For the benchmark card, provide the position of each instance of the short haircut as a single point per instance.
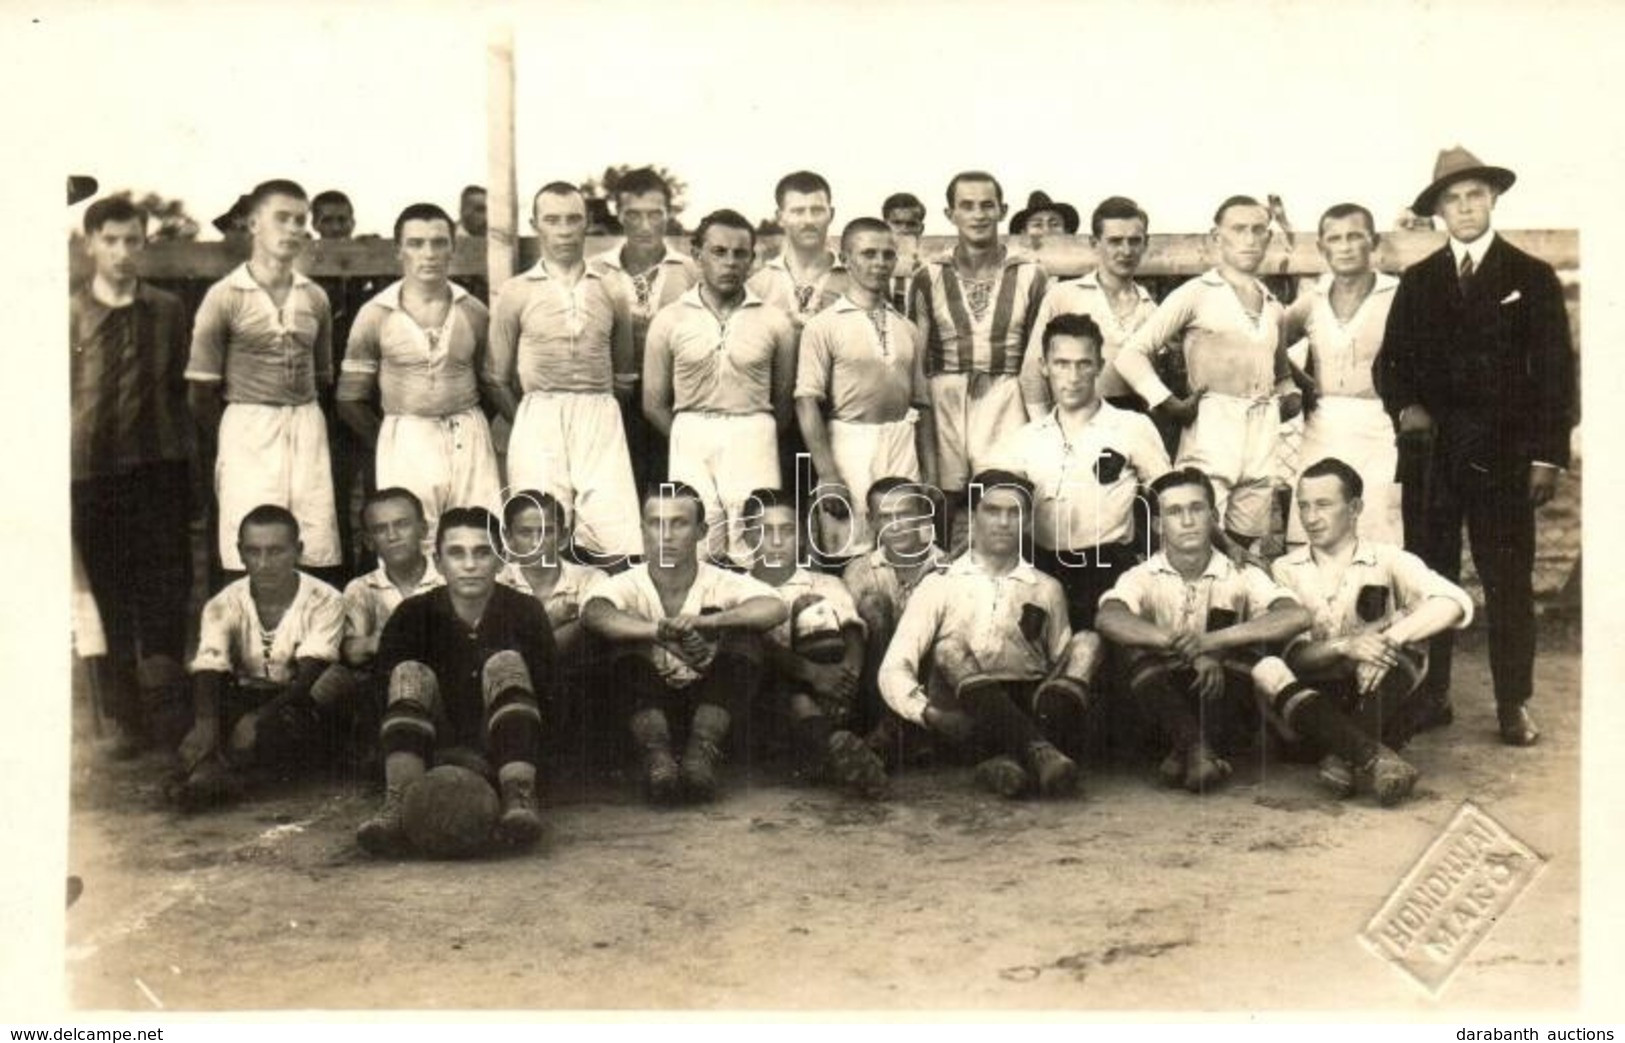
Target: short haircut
(113, 208)
(998, 478)
(275, 187)
(1069, 325)
(902, 201)
(331, 197)
(671, 489)
(423, 212)
(974, 175)
(465, 518)
(1234, 201)
(641, 182)
(1116, 208)
(760, 501)
(1342, 210)
(804, 181)
(1182, 476)
(269, 514)
(859, 225)
(557, 188)
(525, 499)
(393, 492)
(1332, 467)
(470, 190)
(722, 219)
(885, 485)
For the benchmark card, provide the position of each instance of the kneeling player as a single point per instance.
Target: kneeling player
(684, 638)
(1189, 618)
(1006, 672)
(814, 658)
(464, 663)
(263, 647)
(1374, 608)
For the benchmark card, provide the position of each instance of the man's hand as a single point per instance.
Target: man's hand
(834, 496)
(1181, 410)
(832, 680)
(200, 742)
(245, 733)
(1542, 484)
(1291, 405)
(954, 724)
(1185, 646)
(1209, 677)
(1414, 420)
(1367, 676)
(1372, 650)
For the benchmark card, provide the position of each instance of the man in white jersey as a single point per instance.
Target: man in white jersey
(718, 377)
(419, 346)
(560, 368)
(1228, 325)
(643, 276)
(861, 395)
(1349, 689)
(1343, 315)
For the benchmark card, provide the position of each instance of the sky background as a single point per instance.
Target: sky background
(1177, 105)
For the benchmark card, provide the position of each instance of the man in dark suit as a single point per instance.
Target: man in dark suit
(1477, 368)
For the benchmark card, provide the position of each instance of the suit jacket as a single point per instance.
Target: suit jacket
(1494, 368)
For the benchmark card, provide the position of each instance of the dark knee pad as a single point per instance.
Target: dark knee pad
(513, 729)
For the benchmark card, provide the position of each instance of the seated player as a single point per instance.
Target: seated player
(814, 658)
(470, 667)
(535, 532)
(395, 529)
(1374, 607)
(263, 645)
(903, 514)
(1189, 619)
(684, 652)
(1004, 665)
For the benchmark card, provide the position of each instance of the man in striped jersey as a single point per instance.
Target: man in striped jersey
(419, 345)
(1228, 325)
(559, 367)
(975, 308)
(642, 277)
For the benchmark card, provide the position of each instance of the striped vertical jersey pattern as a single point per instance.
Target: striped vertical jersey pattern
(127, 382)
(975, 326)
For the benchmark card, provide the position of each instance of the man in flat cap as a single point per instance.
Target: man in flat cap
(1477, 368)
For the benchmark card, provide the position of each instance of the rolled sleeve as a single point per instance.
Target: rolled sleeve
(1414, 582)
(1129, 590)
(206, 361)
(214, 646)
(899, 676)
(324, 629)
(1262, 591)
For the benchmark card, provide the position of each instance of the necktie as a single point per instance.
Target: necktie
(1466, 277)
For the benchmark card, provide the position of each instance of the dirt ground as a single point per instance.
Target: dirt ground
(778, 897)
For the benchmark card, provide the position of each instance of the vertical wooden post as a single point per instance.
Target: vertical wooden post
(502, 236)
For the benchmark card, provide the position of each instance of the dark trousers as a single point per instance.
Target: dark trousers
(133, 535)
(644, 442)
(1495, 504)
(1002, 712)
(1084, 576)
(1162, 687)
(729, 683)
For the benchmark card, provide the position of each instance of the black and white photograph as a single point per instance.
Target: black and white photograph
(782, 510)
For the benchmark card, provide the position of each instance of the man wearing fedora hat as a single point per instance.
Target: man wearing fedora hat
(1043, 217)
(1477, 368)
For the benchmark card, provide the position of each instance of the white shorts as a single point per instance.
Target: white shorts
(1235, 441)
(972, 412)
(277, 455)
(445, 461)
(1358, 432)
(574, 446)
(863, 454)
(725, 457)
